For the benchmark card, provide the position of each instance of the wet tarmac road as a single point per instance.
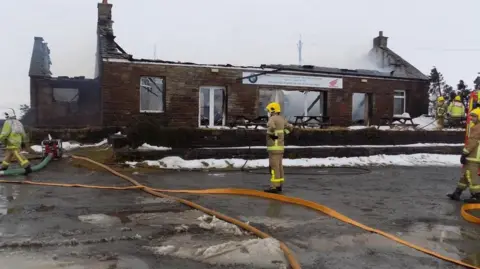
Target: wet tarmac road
(84, 228)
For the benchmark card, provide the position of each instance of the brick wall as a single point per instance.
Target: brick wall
(47, 112)
(121, 101)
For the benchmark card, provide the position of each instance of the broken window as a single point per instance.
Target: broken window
(67, 95)
(293, 103)
(152, 90)
(267, 96)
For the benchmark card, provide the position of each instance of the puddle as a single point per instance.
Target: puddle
(131, 263)
(8, 193)
(154, 200)
(275, 223)
(100, 220)
(28, 261)
(263, 253)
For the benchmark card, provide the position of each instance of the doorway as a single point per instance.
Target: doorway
(362, 108)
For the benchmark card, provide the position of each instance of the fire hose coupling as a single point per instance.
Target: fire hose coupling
(53, 147)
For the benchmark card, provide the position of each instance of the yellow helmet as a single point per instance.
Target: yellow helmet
(273, 107)
(457, 98)
(475, 112)
(440, 99)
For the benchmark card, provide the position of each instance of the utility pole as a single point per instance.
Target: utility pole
(300, 46)
(155, 51)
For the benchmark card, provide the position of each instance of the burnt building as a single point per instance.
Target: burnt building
(60, 101)
(180, 94)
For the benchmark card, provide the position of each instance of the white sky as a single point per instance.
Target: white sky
(335, 33)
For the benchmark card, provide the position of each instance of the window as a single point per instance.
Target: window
(293, 103)
(152, 91)
(399, 102)
(65, 95)
(211, 106)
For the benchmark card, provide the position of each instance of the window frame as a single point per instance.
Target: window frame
(163, 99)
(404, 97)
(211, 110)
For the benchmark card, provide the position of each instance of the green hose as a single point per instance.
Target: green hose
(21, 171)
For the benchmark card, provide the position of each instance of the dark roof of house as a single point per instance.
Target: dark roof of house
(410, 70)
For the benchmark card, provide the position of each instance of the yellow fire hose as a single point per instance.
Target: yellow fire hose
(246, 192)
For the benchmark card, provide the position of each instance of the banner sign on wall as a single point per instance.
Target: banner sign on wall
(292, 80)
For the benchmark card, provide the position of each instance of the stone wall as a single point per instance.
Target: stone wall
(196, 138)
(123, 155)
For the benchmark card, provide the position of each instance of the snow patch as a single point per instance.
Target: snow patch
(264, 253)
(212, 223)
(421, 159)
(424, 123)
(147, 147)
(419, 145)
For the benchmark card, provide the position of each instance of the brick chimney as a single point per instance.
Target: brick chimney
(380, 40)
(104, 11)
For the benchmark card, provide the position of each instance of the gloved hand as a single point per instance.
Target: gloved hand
(22, 145)
(463, 159)
(274, 137)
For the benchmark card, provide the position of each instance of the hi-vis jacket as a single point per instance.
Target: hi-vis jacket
(13, 134)
(441, 109)
(456, 109)
(471, 148)
(279, 126)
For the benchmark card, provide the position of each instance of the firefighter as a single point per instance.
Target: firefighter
(13, 136)
(440, 112)
(456, 111)
(277, 127)
(470, 159)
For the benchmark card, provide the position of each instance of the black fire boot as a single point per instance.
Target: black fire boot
(28, 170)
(475, 199)
(274, 190)
(3, 168)
(456, 194)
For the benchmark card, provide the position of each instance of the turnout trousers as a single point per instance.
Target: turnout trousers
(470, 178)
(275, 161)
(14, 153)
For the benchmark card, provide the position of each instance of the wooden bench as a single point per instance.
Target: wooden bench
(398, 121)
(312, 121)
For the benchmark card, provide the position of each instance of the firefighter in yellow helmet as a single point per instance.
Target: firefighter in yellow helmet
(471, 162)
(456, 111)
(440, 112)
(277, 127)
(13, 136)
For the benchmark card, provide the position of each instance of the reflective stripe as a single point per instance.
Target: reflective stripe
(277, 180)
(23, 161)
(465, 151)
(462, 186)
(4, 163)
(276, 148)
(279, 132)
(475, 188)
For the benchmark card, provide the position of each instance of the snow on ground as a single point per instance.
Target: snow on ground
(148, 147)
(422, 159)
(424, 123)
(67, 146)
(353, 146)
(264, 253)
